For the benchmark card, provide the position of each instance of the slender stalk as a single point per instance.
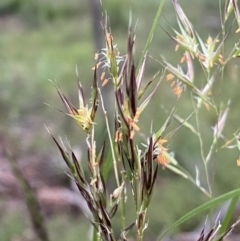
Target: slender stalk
(122, 200)
(141, 229)
(139, 180)
(202, 154)
(209, 155)
(151, 33)
(110, 140)
(31, 200)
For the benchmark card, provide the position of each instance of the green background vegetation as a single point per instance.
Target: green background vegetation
(43, 40)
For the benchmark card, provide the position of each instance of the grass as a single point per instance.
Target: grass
(64, 227)
(11, 226)
(61, 226)
(136, 166)
(30, 70)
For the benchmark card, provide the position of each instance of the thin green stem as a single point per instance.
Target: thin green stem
(189, 177)
(110, 140)
(141, 223)
(151, 33)
(122, 200)
(209, 155)
(139, 175)
(122, 203)
(205, 164)
(222, 16)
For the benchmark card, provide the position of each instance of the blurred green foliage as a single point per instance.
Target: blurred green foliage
(60, 227)
(43, 40)
(12, 225)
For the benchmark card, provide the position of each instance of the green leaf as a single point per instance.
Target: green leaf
(186, 124)
(106, 166)
(238, 144)
(208, 205)
(165, 125)
(176, 170)
(228, 215)
(237, 53)
(150, 36)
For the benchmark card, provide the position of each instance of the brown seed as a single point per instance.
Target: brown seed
(238, 30)
(104, 82)
(102, 75)
(96, 56)
(169, 76)
(183, 59)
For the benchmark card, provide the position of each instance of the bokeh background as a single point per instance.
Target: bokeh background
(46, 40)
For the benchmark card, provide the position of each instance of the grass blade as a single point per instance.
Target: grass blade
(150, 36)
(213, 202)
(228, 215)
(30, 199)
